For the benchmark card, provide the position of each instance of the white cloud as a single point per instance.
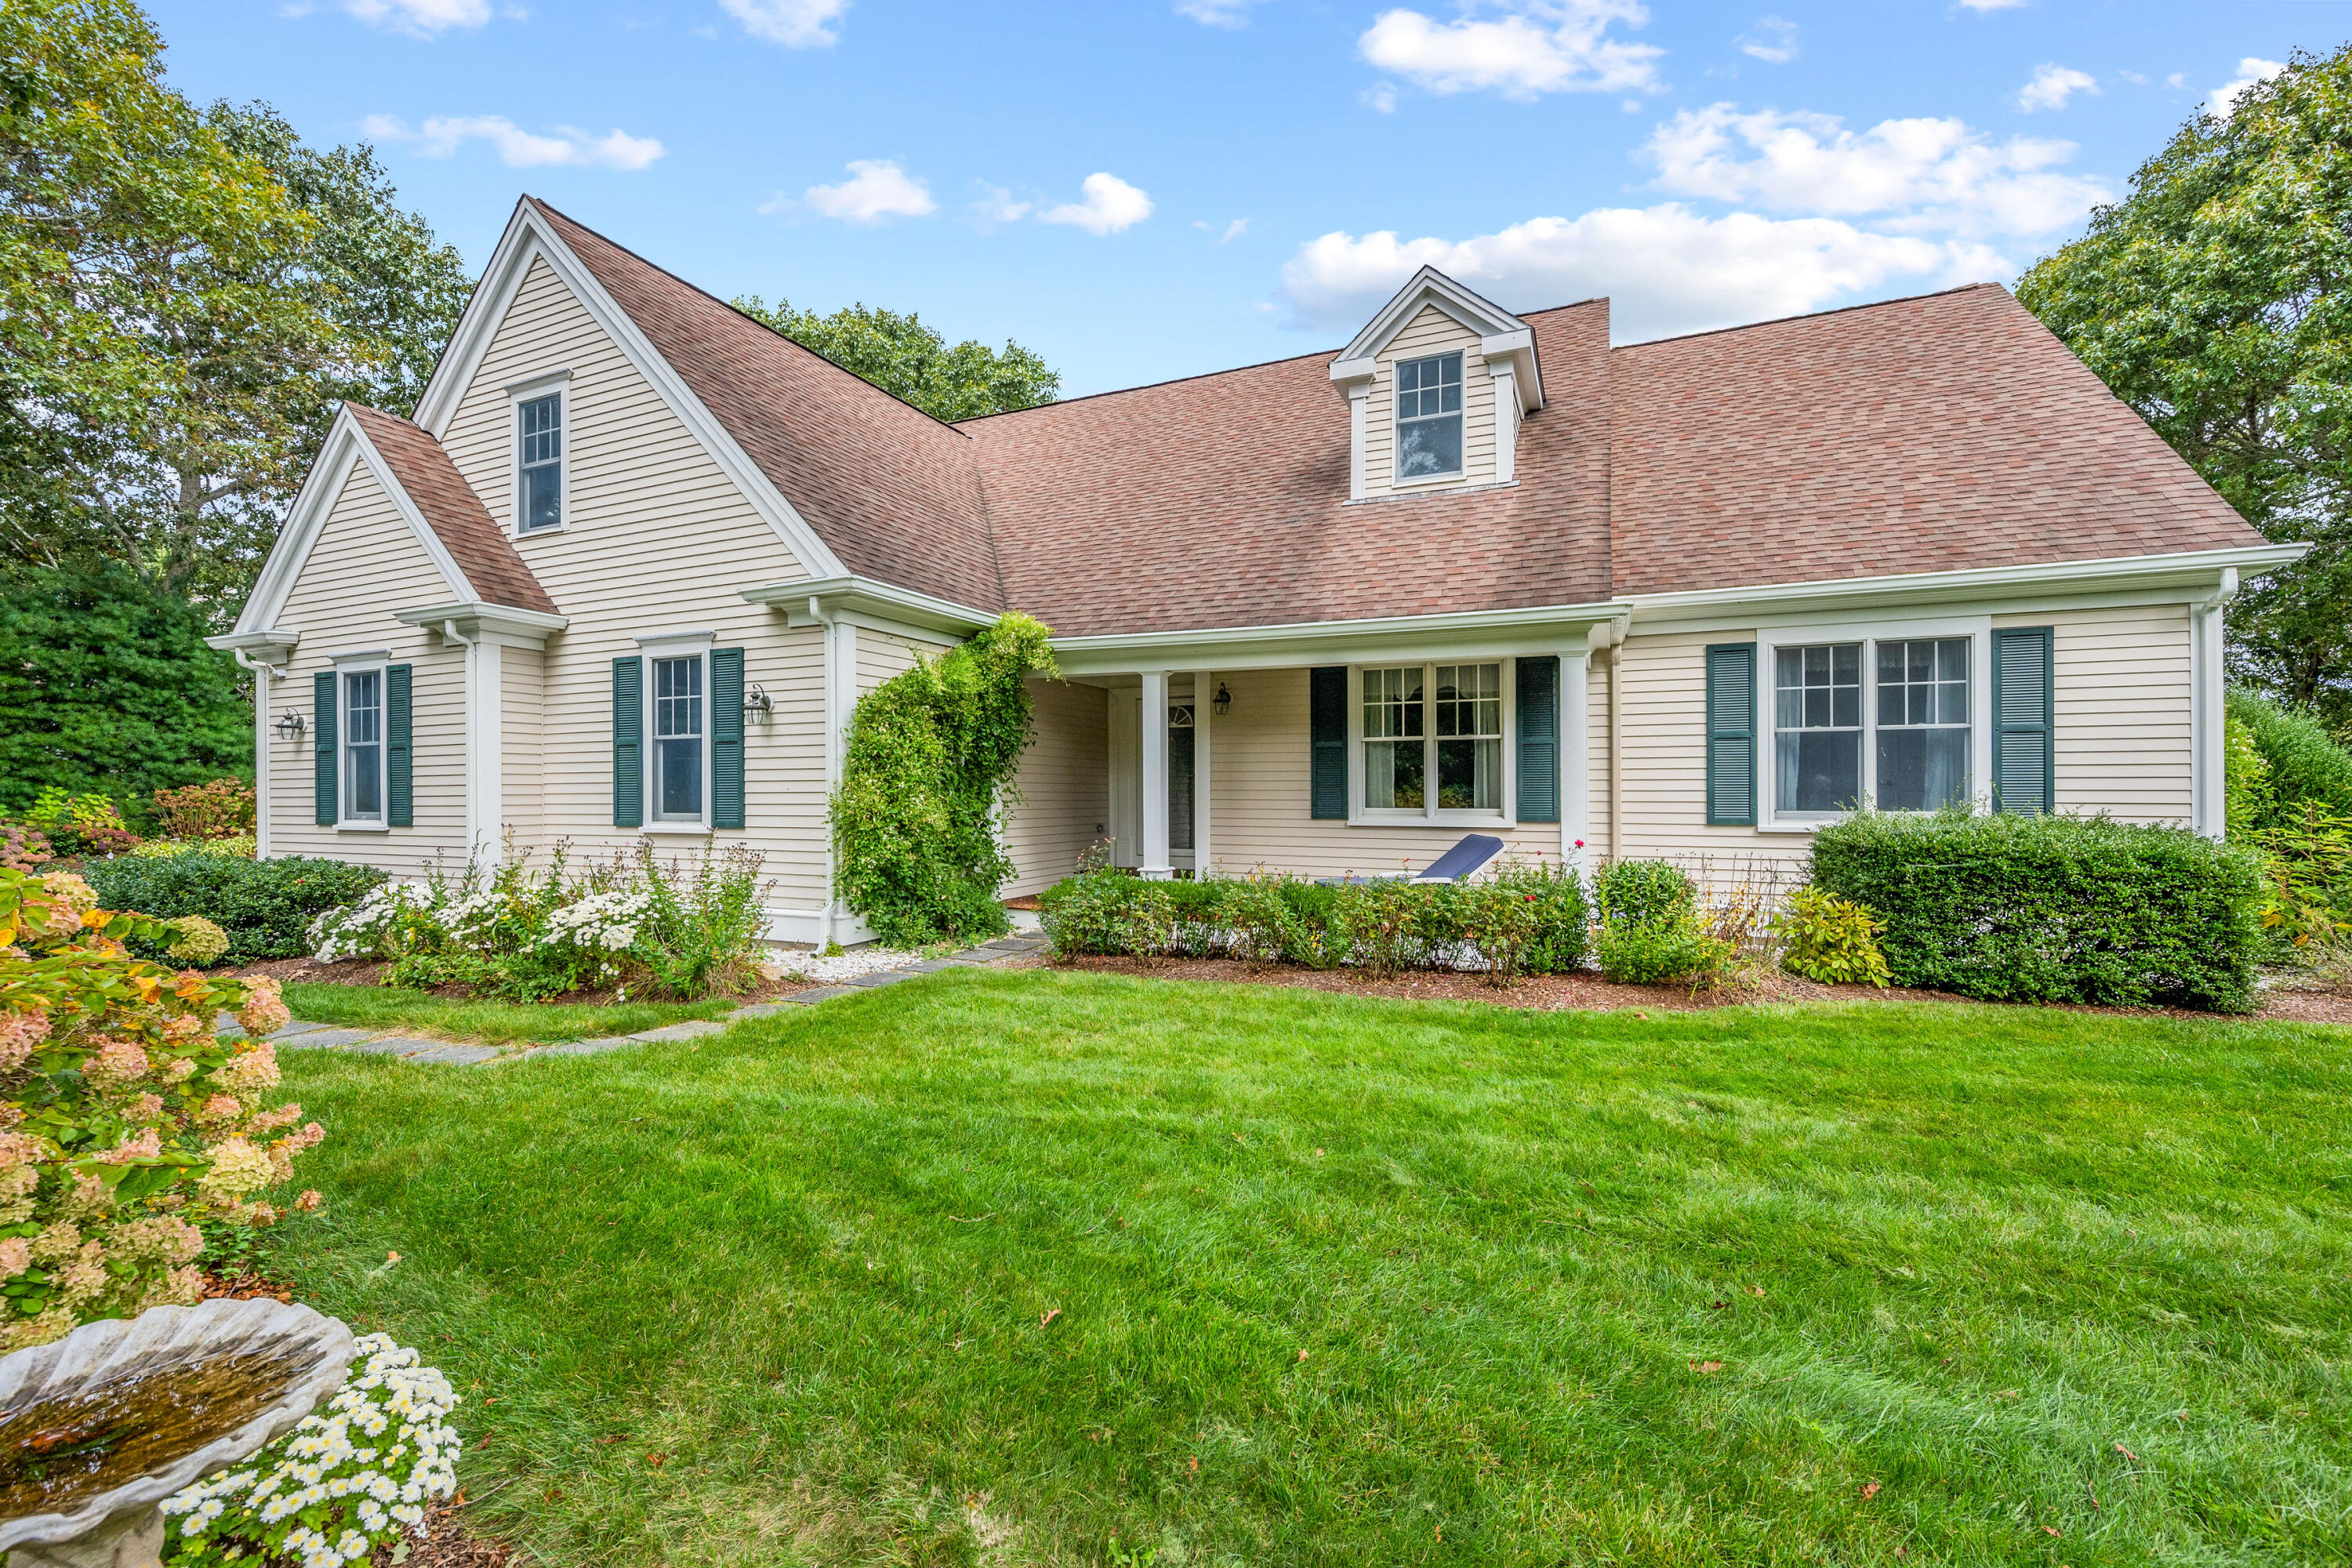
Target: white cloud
(1981, 7)
(795, 23)
(2250, 70)
(569, 147)
(421, 17)
(1233, 231)
(2053, 85)
(1914, 175)
(1109, 204)
(1773, 40)
(877, 188)
(1527, 49)
(997, 206)
(1217, 13)
(1665, 269)
(1380, 96)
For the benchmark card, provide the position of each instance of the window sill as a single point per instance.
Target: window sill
(692, 830)
(362, 827)
(1443, 819)
(1413, 489)
(541, 532)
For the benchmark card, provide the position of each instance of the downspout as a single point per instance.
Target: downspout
(263, 675)
(473, 744)
(2210, 766)
(1616, 751)
(833, 760)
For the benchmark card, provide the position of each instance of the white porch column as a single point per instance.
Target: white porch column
(1575, 753)
(1156, 864)
(485, 735)
(1204, 686)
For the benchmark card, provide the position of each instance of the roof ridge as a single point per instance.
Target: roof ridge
(746, 315)
(1804, 316)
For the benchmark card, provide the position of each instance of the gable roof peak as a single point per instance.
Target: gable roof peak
(1501, 335)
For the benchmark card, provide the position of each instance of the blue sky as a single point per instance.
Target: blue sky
(1158, 188)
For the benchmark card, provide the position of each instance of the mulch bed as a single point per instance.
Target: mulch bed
(1590, 993)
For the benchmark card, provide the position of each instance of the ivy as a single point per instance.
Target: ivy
(930, 763)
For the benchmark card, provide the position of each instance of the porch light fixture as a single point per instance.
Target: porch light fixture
(1224, 702)
(758, 703)
(289, 726)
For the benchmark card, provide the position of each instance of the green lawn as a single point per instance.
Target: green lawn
(1039, 1268)
(492, 1023)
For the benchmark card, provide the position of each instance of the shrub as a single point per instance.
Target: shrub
(240, 845)
(81, 824)
(124, 1115)
(1563, 916)
(1381, 925)
(266, 907)
(2301, 762)
(196, 940)
(1669, 946)
(929, 768)
(1829, 938)
(1266, 919)
(2058, 909)
(1642, 893)
(22, 848)
(347, 1479)
(221, 809)
(1081, 914)
(1501, 921)
(508, 933)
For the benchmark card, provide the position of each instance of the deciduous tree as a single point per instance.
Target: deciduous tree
(912, 361)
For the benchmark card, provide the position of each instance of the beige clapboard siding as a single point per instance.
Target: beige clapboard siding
(1662, 733)
(1431, 332)
(366, 564)
(1258, 796)
(2121, 684)
(882, 657)
(657, 539)
(1064, 786)
(522, 775)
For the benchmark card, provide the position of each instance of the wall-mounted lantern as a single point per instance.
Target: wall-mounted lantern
(1223, 703)
(289, 726)
(758, 704)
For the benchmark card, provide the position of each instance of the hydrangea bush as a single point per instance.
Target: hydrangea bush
(631, 923)
(347, 1478)
(125, 1118)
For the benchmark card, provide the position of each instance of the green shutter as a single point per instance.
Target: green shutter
(727, 738)
(322, 748)
(399, 797)
(1732, 734)
(1538, 687)
(2024, 767)
(628, 742)
(1326, 716)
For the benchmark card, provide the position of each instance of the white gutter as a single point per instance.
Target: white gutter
(810, 600)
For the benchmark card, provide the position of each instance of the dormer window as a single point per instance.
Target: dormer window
(1429, 417)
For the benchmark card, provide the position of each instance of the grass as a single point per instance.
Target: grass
(1040, 1268)
(492, 1023)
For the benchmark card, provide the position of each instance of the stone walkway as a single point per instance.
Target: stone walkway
(301, 1036)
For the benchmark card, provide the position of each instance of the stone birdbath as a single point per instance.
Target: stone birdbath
(98, 1428)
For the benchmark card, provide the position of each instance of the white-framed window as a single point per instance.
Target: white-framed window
(680, 786)
(1428, 743)
(541, 408)
(1429, 417)
(359, 735)
(1893, 717)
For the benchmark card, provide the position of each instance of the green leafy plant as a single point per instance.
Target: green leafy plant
(1667, 948)
(266, 907)
(2052, 908)
(1265, 924)
(2278, 759)
(1829, 938)
(1561, 911)
(221, 809)
(81, 824)
(1381, 925)
(931, 763)
(1642, 893)
(1087, 913)
(22, 848)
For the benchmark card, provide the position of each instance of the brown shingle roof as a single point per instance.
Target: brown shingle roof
(453, 512)
(1933, 434)
(891, 491)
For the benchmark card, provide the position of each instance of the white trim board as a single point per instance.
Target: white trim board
(529, 238)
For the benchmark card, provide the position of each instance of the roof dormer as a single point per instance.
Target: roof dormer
(1436, 385)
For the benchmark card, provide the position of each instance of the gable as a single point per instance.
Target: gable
(365, 562)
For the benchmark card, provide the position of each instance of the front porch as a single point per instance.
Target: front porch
(1360, 751)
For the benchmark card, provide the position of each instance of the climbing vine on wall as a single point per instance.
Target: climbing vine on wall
(930, 761)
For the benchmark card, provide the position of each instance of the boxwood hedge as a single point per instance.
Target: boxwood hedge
(2052, 908)
(265, 906)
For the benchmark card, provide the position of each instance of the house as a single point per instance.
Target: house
(635, 559)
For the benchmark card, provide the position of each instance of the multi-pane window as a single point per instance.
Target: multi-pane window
(539, 458)
(1439, 724)
(1923, 724)
(1470, 737)
(1817, 724)
(677, 739)
(1429, 416)
(1396, 763)
(362, 732)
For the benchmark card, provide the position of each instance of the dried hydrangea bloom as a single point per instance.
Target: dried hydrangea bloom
(238, 1168)
(249, 1071)
(117, 1064)
(200, 943)
(16, 1256)
(265, 1012)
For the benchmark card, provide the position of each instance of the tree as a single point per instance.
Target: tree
(105, 684)
(2216, 298)
(909, 361)
(184, 296)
